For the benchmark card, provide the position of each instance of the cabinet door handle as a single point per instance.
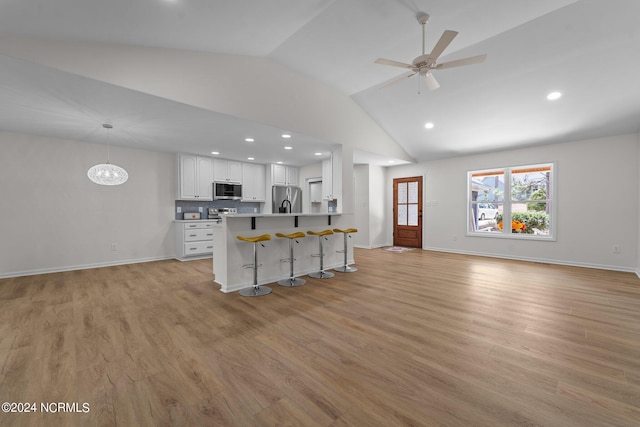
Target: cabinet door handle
(192, 235)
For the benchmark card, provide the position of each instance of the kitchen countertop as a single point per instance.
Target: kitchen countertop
(263, 215)
(196, 220)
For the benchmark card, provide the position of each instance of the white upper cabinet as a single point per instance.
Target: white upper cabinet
(227, 171)
(254, 182)
(196, 177)
(284, 175)
(327, 179)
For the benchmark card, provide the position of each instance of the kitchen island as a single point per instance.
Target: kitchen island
(230, 254)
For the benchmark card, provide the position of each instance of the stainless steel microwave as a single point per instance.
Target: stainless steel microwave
(227, 191)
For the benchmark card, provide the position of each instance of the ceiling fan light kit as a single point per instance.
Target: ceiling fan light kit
(425, 63)
(107, 173)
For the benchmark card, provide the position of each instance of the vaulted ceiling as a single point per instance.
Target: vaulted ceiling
(586, 49)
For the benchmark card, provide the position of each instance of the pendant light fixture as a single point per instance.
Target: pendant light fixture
(107, 173)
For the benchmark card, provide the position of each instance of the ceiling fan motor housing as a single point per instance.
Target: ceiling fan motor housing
(422, 61)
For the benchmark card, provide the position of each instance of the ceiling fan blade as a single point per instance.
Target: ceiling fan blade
(432, 83)
(397, 80)
(445, 39)
(460, 62)
(393, 63)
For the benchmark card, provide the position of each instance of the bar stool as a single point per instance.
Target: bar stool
(256, 290)
(321, 274)
(347, 233)
(291, 281)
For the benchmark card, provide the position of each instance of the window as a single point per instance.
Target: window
(520, 197)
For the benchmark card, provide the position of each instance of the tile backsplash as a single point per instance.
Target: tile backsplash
(193, 206)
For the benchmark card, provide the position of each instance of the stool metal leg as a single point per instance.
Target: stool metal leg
(255, 291)
(291, 281)
(345, 268)
(321, 274)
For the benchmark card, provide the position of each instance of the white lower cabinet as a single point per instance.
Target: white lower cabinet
(194, 238)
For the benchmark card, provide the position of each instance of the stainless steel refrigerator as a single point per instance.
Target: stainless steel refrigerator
(286, 199)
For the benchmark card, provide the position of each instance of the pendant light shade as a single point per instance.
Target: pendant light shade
(107, 173)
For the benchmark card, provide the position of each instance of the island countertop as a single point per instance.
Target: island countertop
(264, 215)
(231, 254)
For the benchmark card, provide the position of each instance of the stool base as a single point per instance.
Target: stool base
(321, 275)
(257, 291)
(294, 281)
(346, 269)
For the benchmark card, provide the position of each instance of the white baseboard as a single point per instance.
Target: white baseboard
(81, 267)
(538, 260)
(372, 246)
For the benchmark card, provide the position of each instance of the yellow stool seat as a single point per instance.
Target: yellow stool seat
(255, 239)
(348, 230)
(297, 235)
(320, 233)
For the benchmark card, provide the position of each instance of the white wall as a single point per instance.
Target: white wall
(361, 205)
(378, 207)
(597, 195)
(370, 206)
(54, 218)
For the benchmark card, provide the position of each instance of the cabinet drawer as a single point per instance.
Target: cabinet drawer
(192, 225)
(198, 234)
(198, 248)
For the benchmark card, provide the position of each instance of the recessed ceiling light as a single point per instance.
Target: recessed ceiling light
(250, 158)
(429, 125)
(286, 135)
(392, 161)
(317, 154)
(553, 96)
(249, 139)
(215, 152)
(288, 148)
(279, 163)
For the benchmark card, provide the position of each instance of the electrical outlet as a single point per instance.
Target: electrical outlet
(114, 246)
(179, 209)
(616, 249)
(200, 209)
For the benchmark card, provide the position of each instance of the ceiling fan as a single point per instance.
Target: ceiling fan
(426, 63)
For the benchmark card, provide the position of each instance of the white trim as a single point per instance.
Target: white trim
(82, 267)
(372, 246)
(539, 260)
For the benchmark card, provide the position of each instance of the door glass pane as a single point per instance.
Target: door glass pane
(402, 192)
(402, 214)
(413, 215)
(413, 192)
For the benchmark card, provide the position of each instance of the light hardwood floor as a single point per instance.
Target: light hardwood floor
(411, 339)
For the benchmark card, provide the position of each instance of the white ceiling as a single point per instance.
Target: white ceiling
(587, 49)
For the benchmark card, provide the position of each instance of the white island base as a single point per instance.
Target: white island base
(230, 254)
